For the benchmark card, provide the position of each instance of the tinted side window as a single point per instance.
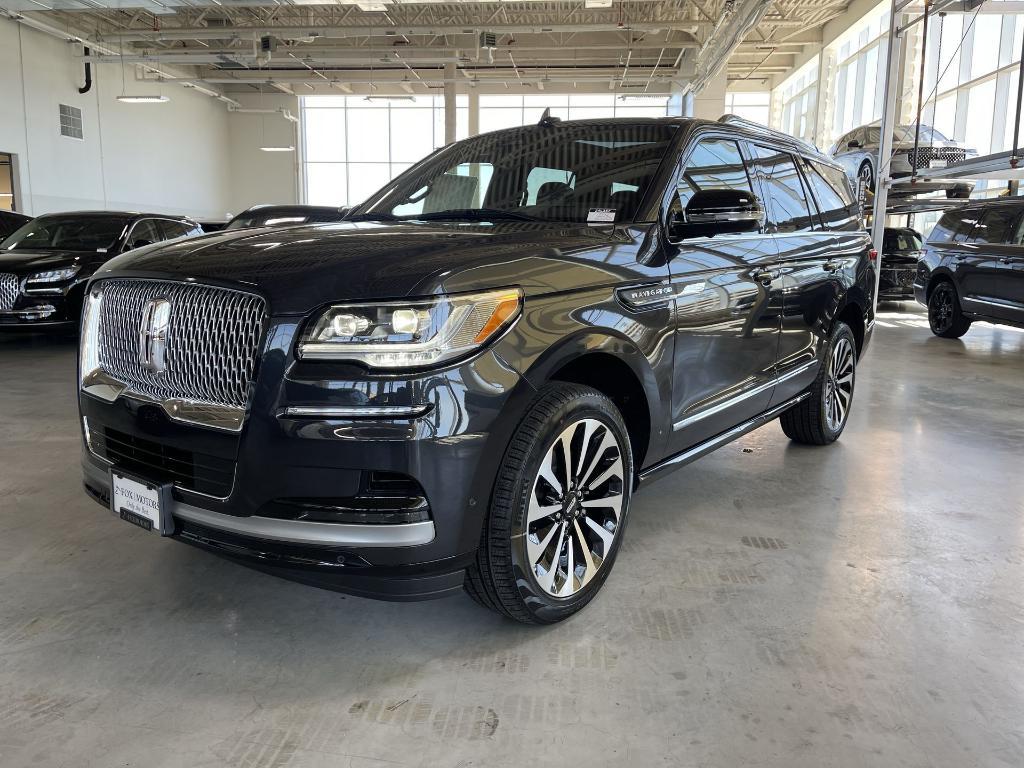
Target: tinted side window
(831, 188)
(145, 231)
(788, 210)
(953, 226)
(998, 226)
(173, 229)
(713, 164)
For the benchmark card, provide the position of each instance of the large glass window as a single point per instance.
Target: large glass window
(751, 105)
(499, 111)
(353, 146)
(798, 101)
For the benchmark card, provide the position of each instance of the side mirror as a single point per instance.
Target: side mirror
(718, 212)
(853, 144)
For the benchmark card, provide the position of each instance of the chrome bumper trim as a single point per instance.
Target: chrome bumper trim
(101, 385)
(355, 411)
(292, 531)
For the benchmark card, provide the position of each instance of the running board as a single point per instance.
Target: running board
(702, 449)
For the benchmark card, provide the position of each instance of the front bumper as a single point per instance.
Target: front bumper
(234, 492)
(42, 311)
(897, 283)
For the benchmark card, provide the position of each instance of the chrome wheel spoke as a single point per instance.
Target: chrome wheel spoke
(539, 511)
(600, 530)
(615, 470)
(588, 559)
(607, 443)
(534, 551)
(839, 384)
(609, 501)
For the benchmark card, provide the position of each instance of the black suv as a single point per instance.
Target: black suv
(463, 384)
(972, 268)
(46, 263)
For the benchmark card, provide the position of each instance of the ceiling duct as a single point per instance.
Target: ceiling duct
(738, 18)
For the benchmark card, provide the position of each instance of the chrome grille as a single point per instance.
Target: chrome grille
(924, 155)
(8, 291)
(212, 340)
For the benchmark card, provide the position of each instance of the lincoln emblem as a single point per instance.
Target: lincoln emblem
(156, 318)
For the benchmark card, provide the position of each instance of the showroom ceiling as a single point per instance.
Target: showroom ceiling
(639, 46)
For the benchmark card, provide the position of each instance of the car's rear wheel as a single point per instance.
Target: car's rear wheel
(821, 418)
(945, 317)
(866, 177)
(558, 509)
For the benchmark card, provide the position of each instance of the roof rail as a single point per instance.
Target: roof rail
(750, 125)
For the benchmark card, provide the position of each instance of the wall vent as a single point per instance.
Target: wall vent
(71, 122)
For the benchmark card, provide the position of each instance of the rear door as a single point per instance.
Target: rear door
(807, 267)
(728, 303)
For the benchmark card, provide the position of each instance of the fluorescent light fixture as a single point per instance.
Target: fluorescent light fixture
(597, 4)
(389, 98)
(372, 7)
(143, 99)
(278, 149)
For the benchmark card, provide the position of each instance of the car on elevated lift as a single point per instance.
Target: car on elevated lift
(857, 151)
(461, 385)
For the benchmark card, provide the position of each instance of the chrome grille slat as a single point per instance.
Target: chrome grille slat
(211, 341)
(8, 291)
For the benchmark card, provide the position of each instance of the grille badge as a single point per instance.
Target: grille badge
(156, 319)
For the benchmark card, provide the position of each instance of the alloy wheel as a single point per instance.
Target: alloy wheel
(839, 384)
(940, 310)
(575, 509)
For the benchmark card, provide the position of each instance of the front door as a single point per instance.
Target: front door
(728, 303)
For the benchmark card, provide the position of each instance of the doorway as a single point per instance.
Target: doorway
(7, 198)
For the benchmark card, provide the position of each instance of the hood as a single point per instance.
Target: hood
(21, 262)
(299, 268)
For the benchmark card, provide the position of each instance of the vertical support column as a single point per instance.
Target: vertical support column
(449, 103)
(474, 112)
(883, 178)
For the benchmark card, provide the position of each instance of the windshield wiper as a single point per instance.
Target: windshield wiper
(379, 216)
(474, 214)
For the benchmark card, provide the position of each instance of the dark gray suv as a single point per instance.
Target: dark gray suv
(972, 268)
(462, 385)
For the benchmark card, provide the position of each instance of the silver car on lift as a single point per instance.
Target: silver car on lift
(857, 151)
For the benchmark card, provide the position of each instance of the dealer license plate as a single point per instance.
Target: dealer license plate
(938, 163)
(136, 501)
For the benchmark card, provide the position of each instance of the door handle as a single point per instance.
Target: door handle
(1006, 260)
(765, 277)
(832, 266)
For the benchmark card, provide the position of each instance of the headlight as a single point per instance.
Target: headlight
(52, 276)
(411, 334)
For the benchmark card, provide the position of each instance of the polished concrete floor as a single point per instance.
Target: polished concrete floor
(857, 605)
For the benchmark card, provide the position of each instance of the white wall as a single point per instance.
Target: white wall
(165, 158)
(263, 177)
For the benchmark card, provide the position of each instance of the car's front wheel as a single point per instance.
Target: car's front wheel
(821, 417)
(558, 509)
(945, 317)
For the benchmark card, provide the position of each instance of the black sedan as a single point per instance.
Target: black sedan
(10, 221)
(45, 264)
(901, 248)
(285, 216)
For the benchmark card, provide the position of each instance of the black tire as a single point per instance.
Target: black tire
(945, 317)
(502, 578)
(866, 176)
(812, 421)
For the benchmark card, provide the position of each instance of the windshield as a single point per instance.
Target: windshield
(574, 173)
(901, 240)
(905, 134)
(67, 233)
